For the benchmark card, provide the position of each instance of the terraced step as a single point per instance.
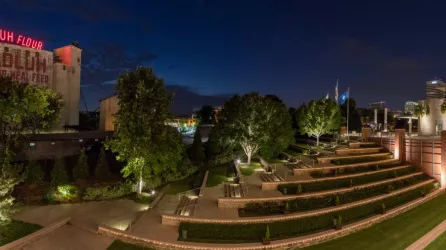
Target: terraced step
(270, 177)
(240, 203)
(234, 191)
(353, 157)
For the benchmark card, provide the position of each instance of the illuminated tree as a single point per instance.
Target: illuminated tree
(421, 110)
(151, 149)
(318, 117)
(23, 107)
(80, 171)
(253, 122)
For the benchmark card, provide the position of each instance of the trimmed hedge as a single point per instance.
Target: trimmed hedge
(209, 232)
(108, 192)
(353, 170)
(345, 182)
(368, 158)
(306, 204)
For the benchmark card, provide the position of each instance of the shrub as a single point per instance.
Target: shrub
(312, 203)
(267, 234)
(102, 169)
(352, 170)
(108, 192)
(59, 173)
(34, 173)
(383, 208)
(80, 171)
(299, 188)
(287, 206)
(337, 201)
(63, 193)
(339, 221)
(359, 159)
(213, 232)
(143, 198)
(344, 182)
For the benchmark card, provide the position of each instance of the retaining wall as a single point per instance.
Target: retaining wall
(241, 202)
(280, 244)
(307, 171)
(356, 151)
(20, 243)
(329, 159)
(175, 220)
(275, 185)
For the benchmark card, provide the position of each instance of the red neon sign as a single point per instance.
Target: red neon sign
(10, 37)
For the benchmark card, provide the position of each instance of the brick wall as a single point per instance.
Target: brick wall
(329, 159)
(353, 151)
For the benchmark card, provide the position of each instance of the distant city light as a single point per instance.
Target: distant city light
(434, 82)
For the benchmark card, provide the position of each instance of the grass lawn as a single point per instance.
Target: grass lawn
(292, 152)
(216, 176)
(16, 230)
(119, 245)
(438, 243)
(249, 170)
(180, 186)
(396, 233)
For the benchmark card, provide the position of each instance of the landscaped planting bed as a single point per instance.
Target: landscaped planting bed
(352, 160)
(353, 170)
(14, 230)
(368, 146)
(344, 182)
(312, 203)
(213, 232)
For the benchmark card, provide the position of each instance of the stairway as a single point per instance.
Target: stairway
(186, 206)
(234, 190)
(270, 177)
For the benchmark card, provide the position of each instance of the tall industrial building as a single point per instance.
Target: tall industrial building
(409, 107)
(24, 59)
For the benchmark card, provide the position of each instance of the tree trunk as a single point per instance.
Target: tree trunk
(317, 141)
(139, 191)
(249, 159)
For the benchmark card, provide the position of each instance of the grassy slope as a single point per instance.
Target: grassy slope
(216, 176)
(249, 170)
(396, 233)
(16, 230)
(438, 243)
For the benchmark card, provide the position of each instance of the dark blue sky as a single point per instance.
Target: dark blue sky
(293, 49)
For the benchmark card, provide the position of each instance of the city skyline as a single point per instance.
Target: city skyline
(295, 50)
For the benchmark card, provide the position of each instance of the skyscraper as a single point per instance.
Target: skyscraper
(409, 107)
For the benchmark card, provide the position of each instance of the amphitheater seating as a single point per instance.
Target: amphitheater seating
(234, 190)
(186, 206)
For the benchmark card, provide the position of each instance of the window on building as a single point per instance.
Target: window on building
(78, 60)
(6, 49)
(64, 67)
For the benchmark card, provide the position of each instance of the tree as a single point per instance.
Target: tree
(205, 114)
(151, 149)
(251, 122)
(10, 175)
(102, 168)
(23, 107)
(34, 173)
(318, 117)
(80, 171)
(197, 153)
(59, 173)
(354, 122)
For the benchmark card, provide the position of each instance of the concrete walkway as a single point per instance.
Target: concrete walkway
(428, 238)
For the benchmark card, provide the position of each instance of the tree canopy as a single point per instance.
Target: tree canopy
(151, 149)
(23, 108)
(205, 114)
(354, 122)
(254, 122)
(318, 117)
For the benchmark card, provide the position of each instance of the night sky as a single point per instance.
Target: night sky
(208, 50)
